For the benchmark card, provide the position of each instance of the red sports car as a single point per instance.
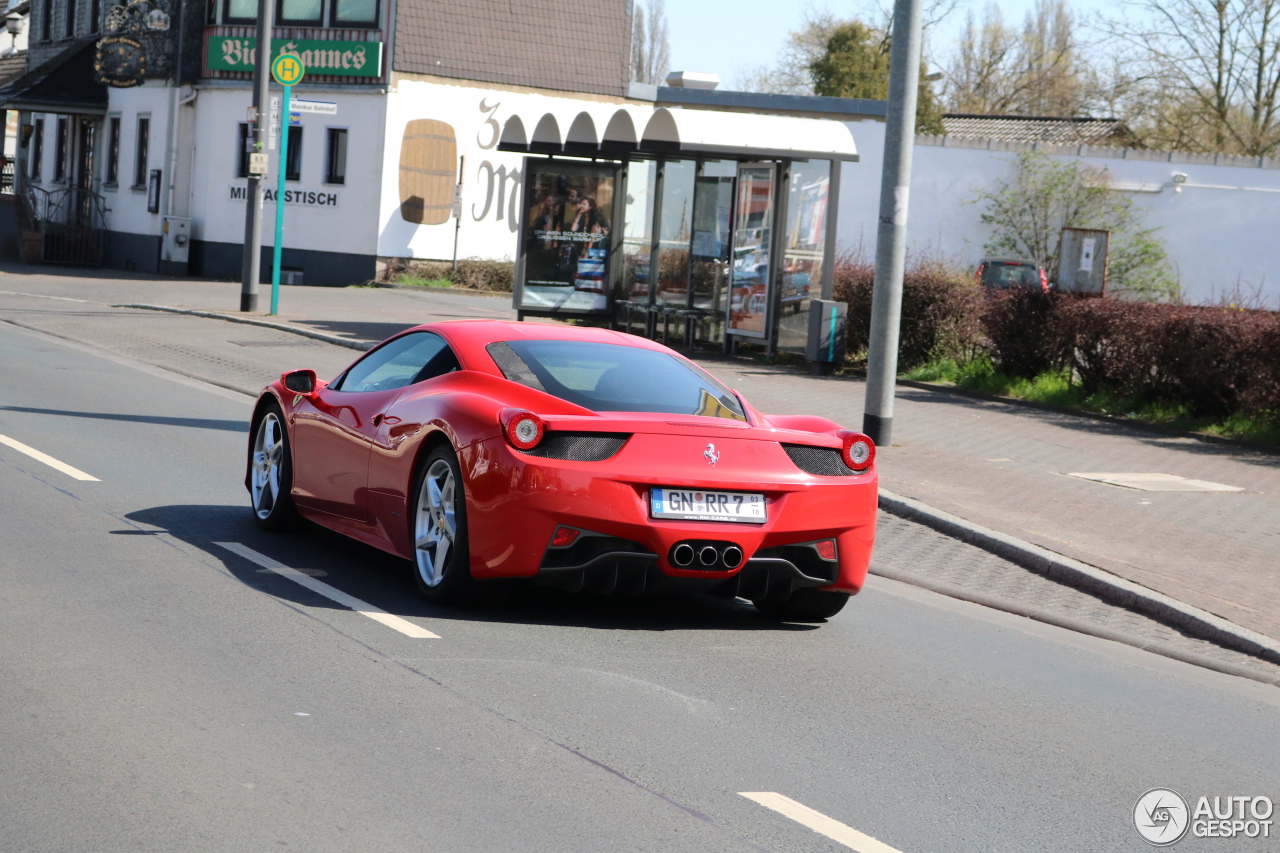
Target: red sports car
(581, 458)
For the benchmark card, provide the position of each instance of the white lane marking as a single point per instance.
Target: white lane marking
(818, 822)
(47, 459)
(404, 626)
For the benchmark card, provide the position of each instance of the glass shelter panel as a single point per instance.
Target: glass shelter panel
(637, 236)
(712, 209)
(752, 239)
(804, 244)
(674, 231)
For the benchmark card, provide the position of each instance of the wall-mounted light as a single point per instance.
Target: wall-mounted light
(1179, 178)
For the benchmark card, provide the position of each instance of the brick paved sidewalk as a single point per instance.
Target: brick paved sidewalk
(995, 464)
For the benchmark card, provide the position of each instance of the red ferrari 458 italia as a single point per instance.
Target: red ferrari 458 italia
(580, 458)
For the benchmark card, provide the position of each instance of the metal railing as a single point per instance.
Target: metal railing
(71, 222)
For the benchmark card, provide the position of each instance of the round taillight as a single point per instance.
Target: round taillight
(524, 431)
(859, 451)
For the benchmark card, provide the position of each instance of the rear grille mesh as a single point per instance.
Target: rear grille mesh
(579, 446)
(821, 461)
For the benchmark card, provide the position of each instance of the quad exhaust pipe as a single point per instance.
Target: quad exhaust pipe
(709, 555)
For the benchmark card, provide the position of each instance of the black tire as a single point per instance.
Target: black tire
(270, 472)
(804, 605)
(429, 529)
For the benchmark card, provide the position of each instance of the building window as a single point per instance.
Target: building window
(113, 151)
(69, 22)
(335, 170)
(240, 11)
(244, 140)
(140, 161)
(354, 13)
(46, 20)
(37, 150)
(298, 12)
(62, 151)
(293, 159)
(94, 23)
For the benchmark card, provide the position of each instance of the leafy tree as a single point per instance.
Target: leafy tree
(790, 74)
(1028, 212)
(856, 65)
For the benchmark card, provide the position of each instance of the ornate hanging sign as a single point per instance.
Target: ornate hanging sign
(121, 62)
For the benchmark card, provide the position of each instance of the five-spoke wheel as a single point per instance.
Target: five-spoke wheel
(271, 474)
(440, 528)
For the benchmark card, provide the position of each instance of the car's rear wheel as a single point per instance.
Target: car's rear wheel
(271, 473)
(804, 605)
(441, 558)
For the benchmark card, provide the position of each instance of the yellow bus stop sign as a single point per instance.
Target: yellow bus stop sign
(287, 69)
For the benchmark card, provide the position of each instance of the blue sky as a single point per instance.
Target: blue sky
(725, 36)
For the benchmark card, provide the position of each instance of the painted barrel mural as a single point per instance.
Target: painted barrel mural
(428, 171)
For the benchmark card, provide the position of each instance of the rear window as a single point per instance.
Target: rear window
(614, 378)
(1002, 274)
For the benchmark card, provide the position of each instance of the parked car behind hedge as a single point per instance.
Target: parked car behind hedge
(1004, 273)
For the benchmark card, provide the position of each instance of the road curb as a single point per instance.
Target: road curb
(249, 321)
(1107, 586)
(1080, 626)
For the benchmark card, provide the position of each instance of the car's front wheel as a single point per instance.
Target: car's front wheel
(271, 473)
(804, 605)
(441, 557)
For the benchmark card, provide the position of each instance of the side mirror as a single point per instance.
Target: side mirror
(300, 382)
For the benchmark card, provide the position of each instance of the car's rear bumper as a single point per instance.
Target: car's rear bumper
(515, 502)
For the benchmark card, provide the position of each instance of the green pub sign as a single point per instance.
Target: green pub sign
(337, 58)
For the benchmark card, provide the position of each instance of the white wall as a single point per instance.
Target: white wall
(127, 204)
(492, 184)
(350, 226)
(1216, 235)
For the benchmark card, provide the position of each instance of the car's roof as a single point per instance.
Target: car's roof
(469, 337)
(1023, 261)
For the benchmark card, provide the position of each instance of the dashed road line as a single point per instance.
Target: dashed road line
(47, 459)
(818, 822)
(404, 626)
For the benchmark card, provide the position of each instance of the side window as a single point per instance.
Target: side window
(404, 361)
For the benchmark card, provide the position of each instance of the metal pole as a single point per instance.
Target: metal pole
(282, 168)
(457, 212)
(891, 238)
(250, 267)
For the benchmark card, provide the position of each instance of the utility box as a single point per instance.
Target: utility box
(175, 243)
(827, 334)
(1082, 261)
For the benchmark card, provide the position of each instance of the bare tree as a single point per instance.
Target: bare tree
(1212, 73)
(650, 46)
(1038, 70)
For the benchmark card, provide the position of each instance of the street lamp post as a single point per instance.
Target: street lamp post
(891, 237)
(250, 266)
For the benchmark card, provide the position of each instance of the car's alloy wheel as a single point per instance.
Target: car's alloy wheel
(270, 474)
(439, 528)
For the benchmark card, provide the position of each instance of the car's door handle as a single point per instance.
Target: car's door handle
(380, 419)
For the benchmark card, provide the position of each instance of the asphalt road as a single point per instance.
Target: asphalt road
(159, 692)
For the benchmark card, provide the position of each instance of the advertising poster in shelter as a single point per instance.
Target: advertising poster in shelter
(566, 236)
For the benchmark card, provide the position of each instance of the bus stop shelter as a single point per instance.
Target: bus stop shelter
(696, 226)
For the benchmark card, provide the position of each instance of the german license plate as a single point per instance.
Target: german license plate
(695, 505)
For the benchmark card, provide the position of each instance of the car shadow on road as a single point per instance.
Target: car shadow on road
(387, 582)
(366, 332)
